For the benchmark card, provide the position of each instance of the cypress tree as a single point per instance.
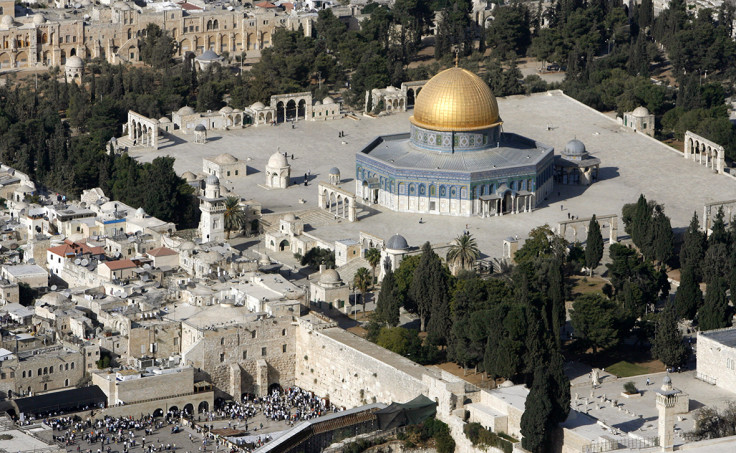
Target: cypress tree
(440, 320)
(420, 290)
(538, 410)
(693, 249)
(715, 313)
(663, 244)
(387, 305)
(667, 345)
(688, 297)
(718, 234)
(593, 245)
(640, 230)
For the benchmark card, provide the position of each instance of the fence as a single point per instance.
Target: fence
(619, 444)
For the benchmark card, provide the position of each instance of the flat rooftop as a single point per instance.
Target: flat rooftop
(726, 337)
(513, 151)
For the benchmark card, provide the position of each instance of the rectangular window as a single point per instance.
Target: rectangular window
(222, 358)
(263, 351)
(245, 355)
(283, 348)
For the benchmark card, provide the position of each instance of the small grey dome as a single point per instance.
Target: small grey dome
(574, 148)
(208, 55)
(334, 171)
(226, 110)
(667, 380)
(164, 120)
(328, 100)
(200, 128)
(257, 106)
(189, 176)
(290, 217)
(38, 19)
(397, 242)
(330, 276)
(212, 180)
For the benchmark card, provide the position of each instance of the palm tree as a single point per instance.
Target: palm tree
(362, 281)
(373, 256)
(463, 253)
(234, 215)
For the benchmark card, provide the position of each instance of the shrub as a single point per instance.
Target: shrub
(630, 388)
(482, 437)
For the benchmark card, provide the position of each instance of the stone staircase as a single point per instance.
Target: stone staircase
(347, 272)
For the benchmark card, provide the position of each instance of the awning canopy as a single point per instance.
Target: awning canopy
(411, 413)
(64, 401)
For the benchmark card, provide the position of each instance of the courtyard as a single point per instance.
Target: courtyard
(631, 164)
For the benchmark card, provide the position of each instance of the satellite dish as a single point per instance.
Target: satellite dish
(77, 261)
(85, 262)
(53, 287)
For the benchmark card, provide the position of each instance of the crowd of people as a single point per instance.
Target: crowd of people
(291, 406)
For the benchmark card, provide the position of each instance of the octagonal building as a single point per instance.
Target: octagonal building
(456, 158)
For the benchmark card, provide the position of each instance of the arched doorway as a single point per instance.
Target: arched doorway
(189, 409)
(174, 410)
(302, 110)
(280, 112)
(410, 97)
(291, 110)
(275, 387)
(158, 413)
(203, 407)
(507, 203)
(283, 245)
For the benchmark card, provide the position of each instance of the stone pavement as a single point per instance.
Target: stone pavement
(630, 164)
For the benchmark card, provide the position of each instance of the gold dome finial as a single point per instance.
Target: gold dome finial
(457, 57)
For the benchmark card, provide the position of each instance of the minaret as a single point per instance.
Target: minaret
(667, 397)
(212, 205)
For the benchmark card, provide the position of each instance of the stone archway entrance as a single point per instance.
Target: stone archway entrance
(283, 245)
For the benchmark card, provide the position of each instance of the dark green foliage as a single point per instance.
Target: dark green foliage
(157, 48)
(316, 256)
(593, 245)
(105, 360)
(538, 412)
(667, 345)
(688, 297)
(663, 243)
(437, 430)
(630, 388)
(718, 234)
(388, 304)
(429, 290)
(693, 249)
(716, 262)
(510, 29)
(482, 437)
(715, 312)
(634, 280)
(404, 276)
(594, 319)
(712, 423)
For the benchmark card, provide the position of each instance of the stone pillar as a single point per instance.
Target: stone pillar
(720, 161)
(154, 136)
(261, 378)
(351, 213)
(613, 230)
(235, 381)
(666, 422)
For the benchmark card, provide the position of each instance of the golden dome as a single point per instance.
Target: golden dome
(455, 100)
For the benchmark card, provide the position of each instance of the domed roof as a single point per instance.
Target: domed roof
(334, 171)
(164, 120)
(212, 180)
(189, 176)
(328, 100)
(257, 105)
(277, 160)
(140, 213)
(208, 55)
(226, 110)
(667, 380)
(330, 276)
(318, 103)
(74, 62)
(397, 242)
(290, 217)
(640, 111)
(186, 110)
(188, 245)
(7, 21)
(392, 88)
(200, 128)
(455, 100)
(38, 19)
(225, 158)
(574, 148)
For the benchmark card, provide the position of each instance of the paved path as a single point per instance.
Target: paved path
(630, 164)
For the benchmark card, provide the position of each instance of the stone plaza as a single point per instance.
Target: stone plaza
(631, 163)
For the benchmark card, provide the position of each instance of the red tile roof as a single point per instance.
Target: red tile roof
(162, 251)
(71, 248)
(189, 7)
(265, 5)
(119, 264)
